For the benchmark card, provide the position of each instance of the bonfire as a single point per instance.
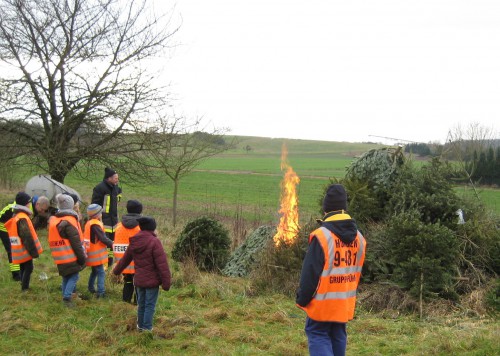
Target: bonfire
(288, 226)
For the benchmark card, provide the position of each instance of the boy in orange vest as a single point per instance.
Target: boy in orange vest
(97, 254)
(65, 241)
(23, 239)
(127, 228)
(330, 275)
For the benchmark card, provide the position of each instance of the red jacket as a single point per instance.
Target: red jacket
(151, 265)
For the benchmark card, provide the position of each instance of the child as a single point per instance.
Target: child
(97, 254)
(127, 228)
(65, 243)
(23, 239)
(151, 270)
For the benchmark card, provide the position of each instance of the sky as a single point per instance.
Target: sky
(332, 70)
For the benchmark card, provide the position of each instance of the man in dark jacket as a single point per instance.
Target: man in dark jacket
(107, 194)
(330, 275)
(151, 270)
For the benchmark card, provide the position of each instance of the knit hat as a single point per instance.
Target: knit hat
(108, 172)
(134, 207)
(93, 210)
(335, 198)
(73, 196)
(64, 202)
(147, 223)
(22, 198)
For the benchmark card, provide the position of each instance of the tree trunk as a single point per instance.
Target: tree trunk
(421, 293)
(174, 206)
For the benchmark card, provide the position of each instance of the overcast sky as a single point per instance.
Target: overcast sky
(338, 70)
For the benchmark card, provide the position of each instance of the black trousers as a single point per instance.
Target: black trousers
(128, 288)
(26, 270)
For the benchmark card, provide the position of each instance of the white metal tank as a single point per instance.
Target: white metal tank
(44, 185)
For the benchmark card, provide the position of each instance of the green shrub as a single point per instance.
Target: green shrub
(424, 256)
(205, 241)
(427, 191)
(378, 170)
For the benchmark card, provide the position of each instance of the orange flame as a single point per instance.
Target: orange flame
(288, 227)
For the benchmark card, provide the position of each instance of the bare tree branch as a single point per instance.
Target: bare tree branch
(77, 79)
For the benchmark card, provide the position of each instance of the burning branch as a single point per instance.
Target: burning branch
(289, 222)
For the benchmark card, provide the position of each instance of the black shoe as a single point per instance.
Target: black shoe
(68, 303)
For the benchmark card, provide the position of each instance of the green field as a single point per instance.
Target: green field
(214, 315)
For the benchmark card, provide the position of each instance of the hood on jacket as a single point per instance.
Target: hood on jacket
(66, 212)
(140, 241)
(130, 220)
(345, 229)
(17, 208)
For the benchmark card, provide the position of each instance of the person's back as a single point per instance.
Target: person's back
(151, 270)
(330, 275)
(151, 266)
(127, 228)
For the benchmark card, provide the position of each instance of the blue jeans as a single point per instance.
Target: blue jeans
(69, 285)
(99, 273)
(146, 304)
(326, 338)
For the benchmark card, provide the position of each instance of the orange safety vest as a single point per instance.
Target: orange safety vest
(19, 252)
(60, 247)
(335, 296)
(120, 245)
(97, 253)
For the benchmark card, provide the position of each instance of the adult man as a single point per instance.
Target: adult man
(330, 275)
(40, 207)
(107, 194)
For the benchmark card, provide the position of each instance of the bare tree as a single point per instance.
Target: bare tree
(463, 141)
(177, 146)
(76, 79)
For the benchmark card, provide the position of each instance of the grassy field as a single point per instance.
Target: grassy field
(211, 314)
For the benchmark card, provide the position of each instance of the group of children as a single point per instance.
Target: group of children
(139, 253)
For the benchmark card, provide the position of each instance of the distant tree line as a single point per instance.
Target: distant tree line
(481, 162)
(420, 149)
(485, 166)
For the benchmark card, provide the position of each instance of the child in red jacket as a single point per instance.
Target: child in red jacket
(151, 270)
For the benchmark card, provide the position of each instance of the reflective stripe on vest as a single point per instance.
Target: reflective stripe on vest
(4, 210)
(110, 229)
(335, 297)
(19, 252)
(120, 245)
(97, 254)
(61, 249)
(106, 203)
